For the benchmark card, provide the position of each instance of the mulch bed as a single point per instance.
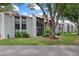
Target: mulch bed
(77, 42)
(54, 38)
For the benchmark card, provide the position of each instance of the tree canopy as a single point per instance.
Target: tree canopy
(5, 7)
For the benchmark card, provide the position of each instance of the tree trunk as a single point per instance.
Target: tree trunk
(53, 31)
(52, 27)
(49, 5)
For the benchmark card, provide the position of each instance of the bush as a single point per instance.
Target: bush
(58, 34)
(25, 35)
(46, 33)
(22, 34)
(18, 34)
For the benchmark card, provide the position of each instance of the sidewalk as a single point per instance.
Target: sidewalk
(39, 50)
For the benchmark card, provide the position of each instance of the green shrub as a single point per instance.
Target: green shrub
(25, 35)
(46, 33)
(22, 34)
(58, 34)
(68, 33)
(18, 34)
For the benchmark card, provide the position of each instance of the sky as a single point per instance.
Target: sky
(24, 10)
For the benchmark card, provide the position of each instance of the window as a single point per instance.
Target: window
(23, 26)
(40, 26)
(40, 21)
(17, 22)
(17, 17)
(23, 21)
(17, 26)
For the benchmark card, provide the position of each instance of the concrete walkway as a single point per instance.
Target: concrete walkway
(39, 50)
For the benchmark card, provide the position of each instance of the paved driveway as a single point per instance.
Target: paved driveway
(39, 50)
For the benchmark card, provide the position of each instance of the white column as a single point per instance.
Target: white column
(2, 30)
(34, 26)
(20, 24)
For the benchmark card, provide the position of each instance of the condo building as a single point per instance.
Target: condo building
(34, 26)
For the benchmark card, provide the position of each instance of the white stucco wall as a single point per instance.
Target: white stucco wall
(9, 26)
(31, 26)
(57, 29)
(1, 26)
(65, 27)
(34, 26)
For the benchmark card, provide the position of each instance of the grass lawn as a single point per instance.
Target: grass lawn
(66, 40)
